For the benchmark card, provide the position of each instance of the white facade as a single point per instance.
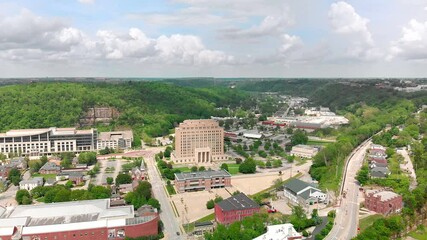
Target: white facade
(115, 140)
(31, 184)
(280, 232)
(35, 142)
(304, 151)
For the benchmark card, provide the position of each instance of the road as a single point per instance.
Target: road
(7, 198)
(170, 222)
(347, 214)
(408, 166)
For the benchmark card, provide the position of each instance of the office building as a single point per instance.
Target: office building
(36, 142)
(199, 141)
(115, 140)
(205, 180)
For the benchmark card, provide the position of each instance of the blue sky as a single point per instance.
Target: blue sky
(219, 38)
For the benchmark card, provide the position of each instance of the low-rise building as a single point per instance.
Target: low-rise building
(18, 162)
(90, 219)
(200, 228)
(4, 172)
(235, 208)
(302, 193)
(305, 151)
(75, 176)
(137, 174)
(30, 184)
(280, 232)
(378, 159)
(379, 172)
(115, 140)
(377, 164)
(50, 168)
(204, 180)
(384, 202)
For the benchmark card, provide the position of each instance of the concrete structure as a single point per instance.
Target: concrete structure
(384, 202)
(305, 151)
(235, 208)
(193, 181)
(115, 140)
(36, 142)
(199, 141)
(30, 184)
(201, 228)
(280, 232)
(302, 193)
(50, 168)
(91, 219)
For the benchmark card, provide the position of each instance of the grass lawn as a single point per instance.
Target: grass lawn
(233, 168)
(190, 227)
(300, 161)
(314, 142)
(184, 169)
(367, 221)
(45, 176)
(419, 234)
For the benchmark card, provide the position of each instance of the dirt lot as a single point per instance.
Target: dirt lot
(196, 203)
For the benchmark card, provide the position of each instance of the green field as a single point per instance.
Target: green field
(420, 233)
(314, 142)
(233, 168)
(367, 221)
(183, 169)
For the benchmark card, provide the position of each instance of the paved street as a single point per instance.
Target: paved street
(409, 167)
(346, 221)
(7, 198)
(170, 222)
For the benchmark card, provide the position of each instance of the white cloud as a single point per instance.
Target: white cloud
(413, 42)
(353, 28)
(345, 20)
(87, 1)
(290, 43)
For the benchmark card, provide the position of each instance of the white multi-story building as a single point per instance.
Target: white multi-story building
(35, 142)
(30, 184)
(115, 140)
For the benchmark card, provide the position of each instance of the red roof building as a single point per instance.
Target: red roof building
(235, 208)
(384, 202)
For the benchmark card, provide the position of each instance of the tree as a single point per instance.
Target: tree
(62, 195)
(123, 178)
(110, 180)
(299, 137)
(224, 166)
(194, 168)
(99, 192)
(88, 158)
(69, 184)
(238, 160)
(202, 168)
(210, 204)
(168, 152)
(248, 166)
(14, 176)
(21, 195)
(154, 203)
(363, 175)
(268, 164)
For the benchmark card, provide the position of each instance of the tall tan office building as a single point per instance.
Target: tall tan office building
(199, 141)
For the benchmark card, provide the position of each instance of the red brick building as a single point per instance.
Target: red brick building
(205, 180)
(235, 208)
(384, 202)
(90, 219)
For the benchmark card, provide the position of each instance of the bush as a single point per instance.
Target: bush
(110, 180)
(123, 178)
(210, 204)
(202, 168)
(23, 197)
(224, 166)
(248, 166)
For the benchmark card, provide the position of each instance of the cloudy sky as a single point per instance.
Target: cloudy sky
(219, 38)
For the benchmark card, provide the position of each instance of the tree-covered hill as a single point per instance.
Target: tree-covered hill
(148, 107)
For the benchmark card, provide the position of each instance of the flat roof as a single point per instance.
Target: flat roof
(202, 174)
(279, 232)
(105, 136)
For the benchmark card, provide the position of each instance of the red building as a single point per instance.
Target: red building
(384, 202)
(90, 219)
(235, 208)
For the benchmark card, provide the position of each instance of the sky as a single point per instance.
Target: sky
(213, 38)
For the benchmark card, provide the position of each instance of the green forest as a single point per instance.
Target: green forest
(149, 108)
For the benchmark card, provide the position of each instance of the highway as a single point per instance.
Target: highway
(347, 214)
(170, 222)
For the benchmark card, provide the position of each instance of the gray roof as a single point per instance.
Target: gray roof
(201, 175)
(295, 185)
(379, 164)
(237, 202)
(379, 172)
(37, 180)
(49, 166)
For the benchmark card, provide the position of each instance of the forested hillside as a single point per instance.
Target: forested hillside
(147, 107)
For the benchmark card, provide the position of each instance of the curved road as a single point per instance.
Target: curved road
(347, 214)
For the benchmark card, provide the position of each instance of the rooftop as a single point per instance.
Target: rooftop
(295, 185)
(106, 136)
(384, 195)
(279, 232)
(237, 202)
(203, 174)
